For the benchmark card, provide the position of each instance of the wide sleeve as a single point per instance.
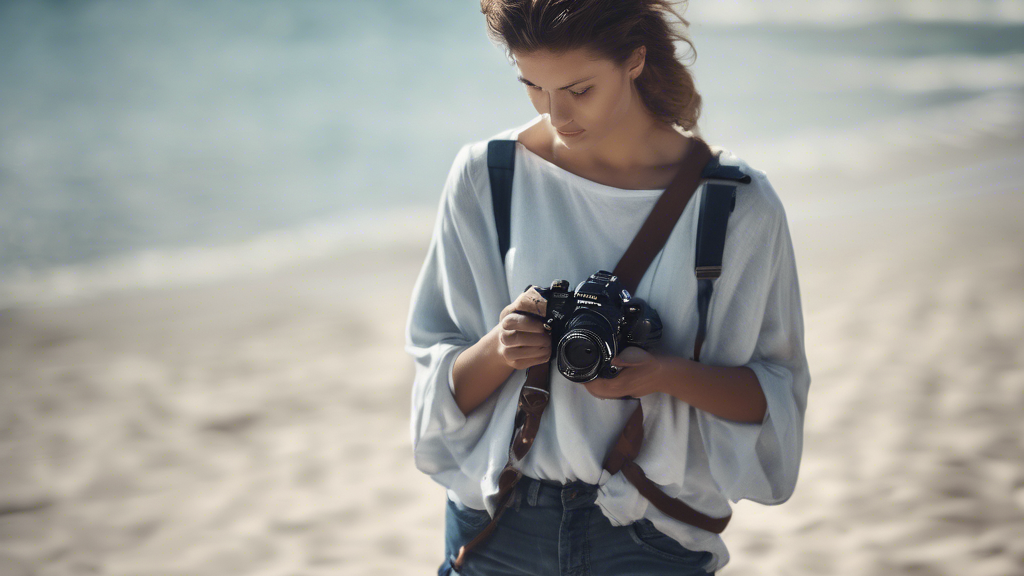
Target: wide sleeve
(456, 300)
(760, 462)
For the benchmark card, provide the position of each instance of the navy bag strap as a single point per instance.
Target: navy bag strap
(501, 164)
(718, 202)
(715, 207)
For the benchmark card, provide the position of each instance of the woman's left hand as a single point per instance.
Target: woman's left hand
(639, 376)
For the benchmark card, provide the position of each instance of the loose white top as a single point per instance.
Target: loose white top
(564, 226)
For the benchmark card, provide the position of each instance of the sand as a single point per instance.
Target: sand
(260, 426)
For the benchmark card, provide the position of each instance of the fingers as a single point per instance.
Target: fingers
(518, 321)
(525, 344)
(531, 302)
(539, 303)
(521, 357)
(516, 338)
(631, 356)
(604, 389)
(524, 357)
(522, 339)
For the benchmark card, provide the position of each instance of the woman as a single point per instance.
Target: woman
(617, 113)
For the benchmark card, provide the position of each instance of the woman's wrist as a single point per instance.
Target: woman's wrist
(478, 371)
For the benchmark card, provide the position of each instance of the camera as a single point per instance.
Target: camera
(589, 326)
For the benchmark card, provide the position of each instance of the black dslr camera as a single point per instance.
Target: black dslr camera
(591, 325)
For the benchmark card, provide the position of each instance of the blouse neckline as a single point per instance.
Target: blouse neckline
(576, 178)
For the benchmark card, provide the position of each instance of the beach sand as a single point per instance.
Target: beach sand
(260, 426)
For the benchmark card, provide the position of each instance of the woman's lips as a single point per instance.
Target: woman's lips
(576, 133)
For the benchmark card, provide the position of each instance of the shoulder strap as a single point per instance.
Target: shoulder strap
(714, 170)
(501, 164)
(715, 207)
(663, 217)
(718, 202)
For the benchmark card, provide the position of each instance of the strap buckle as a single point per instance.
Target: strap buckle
(707, 272)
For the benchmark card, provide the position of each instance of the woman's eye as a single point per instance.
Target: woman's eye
(581, 93)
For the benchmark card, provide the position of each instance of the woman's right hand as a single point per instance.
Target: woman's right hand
(522, 339)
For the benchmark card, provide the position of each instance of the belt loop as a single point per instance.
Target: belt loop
(534, 490)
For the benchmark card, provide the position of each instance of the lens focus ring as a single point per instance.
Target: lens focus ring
(579, 355)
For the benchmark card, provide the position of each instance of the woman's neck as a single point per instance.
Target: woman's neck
(652, 171)
(641, 143)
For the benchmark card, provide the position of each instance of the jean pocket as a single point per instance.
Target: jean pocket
(664, 546)
(469, 517)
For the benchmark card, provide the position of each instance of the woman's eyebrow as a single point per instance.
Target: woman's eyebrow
(528, 83)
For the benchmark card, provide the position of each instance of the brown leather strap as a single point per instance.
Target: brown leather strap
(627, 448)
(631, 267)
(461, 558)
(696, 348)
(533, 399)
(621, 457)
(675, 508)
(663, 217)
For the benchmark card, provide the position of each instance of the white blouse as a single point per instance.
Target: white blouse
(564, 226)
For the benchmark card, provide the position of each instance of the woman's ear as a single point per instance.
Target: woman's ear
(636, 62)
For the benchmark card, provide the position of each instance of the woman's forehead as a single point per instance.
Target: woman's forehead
(546, 69)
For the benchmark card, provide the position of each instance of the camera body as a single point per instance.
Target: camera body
(590, 325)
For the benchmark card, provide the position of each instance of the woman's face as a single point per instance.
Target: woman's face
(586, 97)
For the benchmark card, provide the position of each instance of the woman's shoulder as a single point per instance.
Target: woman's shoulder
(475, 153)
(469, 167)
(757, 199)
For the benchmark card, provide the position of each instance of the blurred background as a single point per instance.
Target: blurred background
(135, 130)
(212, 214)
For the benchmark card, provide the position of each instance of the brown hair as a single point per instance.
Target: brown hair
(613, 29)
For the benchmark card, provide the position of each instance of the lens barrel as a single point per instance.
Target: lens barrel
(587, 345)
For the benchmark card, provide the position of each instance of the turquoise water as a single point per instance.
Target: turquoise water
(129, 126)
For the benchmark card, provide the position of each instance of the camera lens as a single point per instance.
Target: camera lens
(581, 351)
(585, 347)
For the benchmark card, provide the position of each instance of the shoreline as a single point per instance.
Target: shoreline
(806, 193)
(259, 424)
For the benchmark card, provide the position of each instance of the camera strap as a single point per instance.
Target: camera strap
(716, 204)
(697, 164)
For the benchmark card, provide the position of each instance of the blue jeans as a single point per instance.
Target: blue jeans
(557, 530)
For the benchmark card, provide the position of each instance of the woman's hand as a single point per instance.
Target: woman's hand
(522, 339)
(640, 375)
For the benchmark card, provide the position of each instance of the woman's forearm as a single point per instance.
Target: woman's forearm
(733, 393)
(478, 371)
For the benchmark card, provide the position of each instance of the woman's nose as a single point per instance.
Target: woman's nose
(558, 111)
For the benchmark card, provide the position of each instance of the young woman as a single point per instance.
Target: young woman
(617, 114)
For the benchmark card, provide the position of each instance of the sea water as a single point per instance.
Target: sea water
(148, 142)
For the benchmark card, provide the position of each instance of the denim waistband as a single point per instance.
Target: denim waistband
(548, 493)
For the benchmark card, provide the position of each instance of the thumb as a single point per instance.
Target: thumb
(631, 356)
